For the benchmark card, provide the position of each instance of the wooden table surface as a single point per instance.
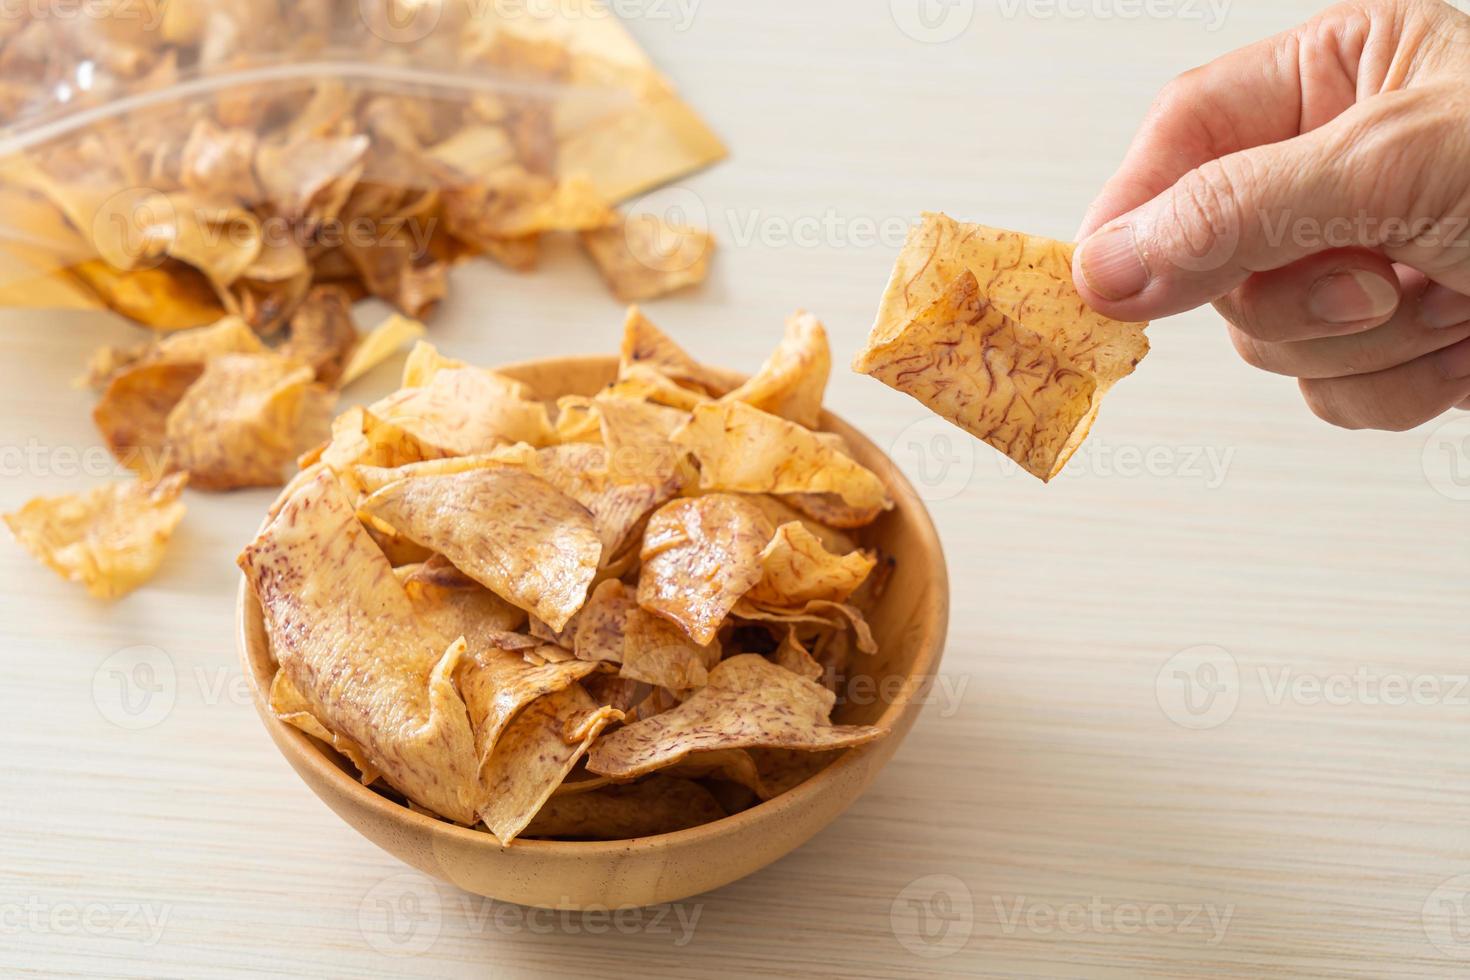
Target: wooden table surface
(1203, 710)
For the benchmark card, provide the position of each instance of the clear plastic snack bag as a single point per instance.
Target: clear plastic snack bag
(181, 161)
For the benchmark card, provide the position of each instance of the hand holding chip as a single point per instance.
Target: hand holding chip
(1312, 187)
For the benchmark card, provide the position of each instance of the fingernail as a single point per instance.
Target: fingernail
(1440, 307)
(1112, 266)
(1454, 361)
(1349, 297)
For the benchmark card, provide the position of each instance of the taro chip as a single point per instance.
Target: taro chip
(796, 658)
(534, 754)
(424, 361)
(577, 420)
(231, 335)
(642, 257)
(291, 706)
(618, 508)
(456, 605)
(659, 653)
(246, 419)
(831, 510)
(818, 612)
(361, 439)
(797, 569)
(110, 538)
(742, 448)
(970, 363)
(1033, 361)
(749, 702)
(497, 684)
(700, 556)
(602, 622)
(323, 335)
(642, 383)
(645, 345)
(657, 805)
(381, 343)
(462, 411)
(344, 630)
(637, 436)
(510, 531)
(133, 413)
(793, 381)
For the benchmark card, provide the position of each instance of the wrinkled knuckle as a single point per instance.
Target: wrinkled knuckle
(1181, 91)
(1250, 349)
(1325, 401)
(1207, 202)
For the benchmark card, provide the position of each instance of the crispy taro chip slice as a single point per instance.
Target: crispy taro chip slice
(796, 569)
(643, 257)
(110, 538)
(534, 755)
(748, 703)
(344, 631)
(742, 448)
(657, 805)
(510, 531)
(973, 365)
(700, 556)
(1038, 335)
(246, 420)
(792, 382)
(646, 346)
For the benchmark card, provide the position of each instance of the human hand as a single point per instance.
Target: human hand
(1314, 187)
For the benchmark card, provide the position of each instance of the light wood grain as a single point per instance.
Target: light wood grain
(1052, 782)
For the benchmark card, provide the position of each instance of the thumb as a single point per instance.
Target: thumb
(1349, 183)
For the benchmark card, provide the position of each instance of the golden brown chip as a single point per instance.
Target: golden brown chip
(741, 448)
(645, 345)
(973, 365)
(1036, 360)
(231, 335)
(602, 622)
(291, 706)
(246, 419)
(643, 383)
(307, 180)
(381, 343)
(782, 510)
(169, 296)
(133, 412)
(534, 755)
(642, 257)
(497, 684)
(110, 538)
(510, 531)
(831, 510)
(577, 420)
(796, 569)
(657, 805)
(792, 383)
(462, 411)
(795, 657)
(361, 439)
(618, 507)
(821, 612)
(657, 652)
(456, 605)
(785, 769)
(748, 703)
(323, 335)
(636, 435)
(700, 556)
(1028, 278)
(219, 162)
(343, 629)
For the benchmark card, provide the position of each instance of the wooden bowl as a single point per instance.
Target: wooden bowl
(886, 689)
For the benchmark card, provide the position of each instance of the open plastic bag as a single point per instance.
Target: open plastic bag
(178, 161)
